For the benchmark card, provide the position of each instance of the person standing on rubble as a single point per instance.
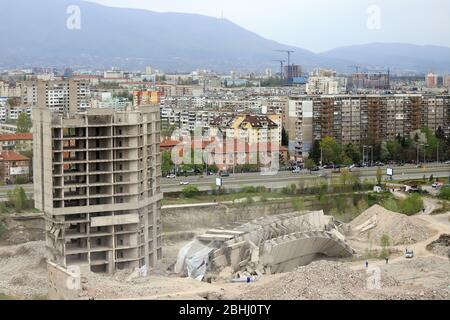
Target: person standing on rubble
(367, 264)
(387, 260)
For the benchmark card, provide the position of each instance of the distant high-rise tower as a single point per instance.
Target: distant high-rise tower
(431, 80)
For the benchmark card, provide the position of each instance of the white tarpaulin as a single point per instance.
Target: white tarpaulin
(193, 259)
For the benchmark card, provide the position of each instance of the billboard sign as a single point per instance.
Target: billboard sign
(390, 172)
(17, 171)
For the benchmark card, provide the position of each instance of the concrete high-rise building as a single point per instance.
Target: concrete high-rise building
(446, 81)
(431, 80)
(97, 180)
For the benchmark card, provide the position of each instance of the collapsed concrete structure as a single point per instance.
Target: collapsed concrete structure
(271, 244)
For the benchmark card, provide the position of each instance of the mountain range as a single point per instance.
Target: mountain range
(35, 33)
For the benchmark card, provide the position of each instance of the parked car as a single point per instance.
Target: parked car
(409, 254)
(171, 176)
(296, 170)
(437, 185)
(184, 183)
(315, 169)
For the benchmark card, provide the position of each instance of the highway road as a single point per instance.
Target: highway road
(281, 179)
(284, 178)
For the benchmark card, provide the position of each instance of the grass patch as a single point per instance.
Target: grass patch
(409, 206)
(6, 297)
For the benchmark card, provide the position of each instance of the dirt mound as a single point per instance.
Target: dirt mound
(441, 246)
(22, 273)
(376, 221)
(326, 280)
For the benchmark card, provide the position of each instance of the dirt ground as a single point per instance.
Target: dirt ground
(427, 276)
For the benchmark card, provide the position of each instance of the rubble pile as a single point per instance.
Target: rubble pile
(23, 271)
(376, 221)
(268, 245)
(441, 246)
(328, 280)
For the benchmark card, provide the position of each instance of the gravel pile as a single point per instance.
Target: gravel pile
(441, 246)
(401, 229)
(23, 270)
(326, 280)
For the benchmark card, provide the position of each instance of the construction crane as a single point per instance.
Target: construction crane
(281, 64)
(356, 68)
(288, 55)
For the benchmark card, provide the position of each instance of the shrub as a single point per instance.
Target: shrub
(408, 206)
(190, 192)
(298, 204)
(444, 193)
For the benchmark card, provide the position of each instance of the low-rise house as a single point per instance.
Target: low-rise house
(18, 142)
(13, 166)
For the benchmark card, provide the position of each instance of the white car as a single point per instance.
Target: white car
(437, 185)
(409, 255)
(296, 170)
(184, 183)
(171, 176)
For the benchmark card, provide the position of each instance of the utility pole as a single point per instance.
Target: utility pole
(418, 145)
(437, 153)
(321, 156)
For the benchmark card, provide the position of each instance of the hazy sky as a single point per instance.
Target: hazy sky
(320, 25)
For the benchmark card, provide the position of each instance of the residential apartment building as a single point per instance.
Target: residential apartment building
(360, 119)
(61, 96)
(97, 180)
(251, 129)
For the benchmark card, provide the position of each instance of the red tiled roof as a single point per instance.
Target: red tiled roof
(16, 136)
(169, 143)
(12, 156)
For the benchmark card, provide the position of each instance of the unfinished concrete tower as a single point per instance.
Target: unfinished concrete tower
(97, 179)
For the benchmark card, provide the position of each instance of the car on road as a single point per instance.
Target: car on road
(184, 183)
(409, 254)
(296, 170)
(224, 174)
(447, 162)
(171, 176)
(315, 169)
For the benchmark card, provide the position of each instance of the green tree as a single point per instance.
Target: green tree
(284, 138)
(167, 165)
(379, 175)
(331, 150)
(315, 151)
(18, 199)
(24, 123)
(444, 193)
(309, 164)
(353, 153)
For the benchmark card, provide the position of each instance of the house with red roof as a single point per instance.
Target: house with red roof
(14, 165)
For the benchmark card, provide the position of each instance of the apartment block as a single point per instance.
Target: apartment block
(360, 119)
(61, 96)
(97, 180)
(251, 129)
